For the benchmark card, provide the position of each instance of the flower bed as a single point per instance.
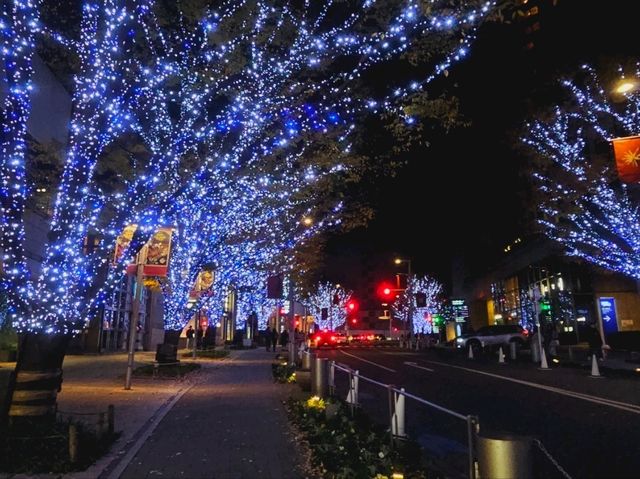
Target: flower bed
(353, 447)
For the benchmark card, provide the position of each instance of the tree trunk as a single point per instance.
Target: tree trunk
(38, 377)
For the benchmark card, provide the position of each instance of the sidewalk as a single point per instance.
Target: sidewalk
(231, 424)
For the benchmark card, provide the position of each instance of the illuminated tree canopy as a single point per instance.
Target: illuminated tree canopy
(228, 98)
(582, 203)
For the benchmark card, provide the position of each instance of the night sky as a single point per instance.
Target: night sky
(466, 191)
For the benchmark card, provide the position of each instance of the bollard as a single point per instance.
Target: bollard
(501, 356)
(397, 419)
(504, 456)
(111, 419)
(73, 443)
(535, 351)
(332, 378)
(319, 377)
(306, 360)
(513, 350)
(352, 396)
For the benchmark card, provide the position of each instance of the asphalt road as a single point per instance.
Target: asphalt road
(591, 426)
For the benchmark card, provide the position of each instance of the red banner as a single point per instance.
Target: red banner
(627, 153)
(158, 249)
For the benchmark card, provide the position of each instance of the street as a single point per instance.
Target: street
(589, 425)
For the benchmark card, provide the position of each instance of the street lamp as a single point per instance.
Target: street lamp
(399, 261)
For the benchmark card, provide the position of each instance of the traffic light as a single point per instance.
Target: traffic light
(352, 306)
(354, 320)
(385, 291)
(421, 300)
(274, 287)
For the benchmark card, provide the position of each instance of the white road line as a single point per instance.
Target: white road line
(415, 365)
(585, 397)
(367, 361)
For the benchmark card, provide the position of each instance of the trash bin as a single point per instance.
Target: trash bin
(504, 456)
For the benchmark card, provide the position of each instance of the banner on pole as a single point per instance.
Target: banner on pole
(627, 153)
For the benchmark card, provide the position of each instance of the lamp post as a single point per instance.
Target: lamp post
(399, 261)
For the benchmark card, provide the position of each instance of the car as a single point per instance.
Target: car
(495, 335)
(324, 338)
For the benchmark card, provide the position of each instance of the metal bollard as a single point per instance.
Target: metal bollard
(73, 443)
(513, 350)
(319, 377)
(306, 360)
(504, 456)
(332, 377)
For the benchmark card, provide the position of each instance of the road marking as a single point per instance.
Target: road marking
(367, 361)
(415, 365)
(566, 392)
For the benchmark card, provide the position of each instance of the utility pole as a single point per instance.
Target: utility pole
(135, 313)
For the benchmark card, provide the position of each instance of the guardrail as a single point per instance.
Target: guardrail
(486, 455)
(396, 401)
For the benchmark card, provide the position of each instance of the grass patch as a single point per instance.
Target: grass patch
(31, 449)
(208, 353)
(168, 371)
(353, 447)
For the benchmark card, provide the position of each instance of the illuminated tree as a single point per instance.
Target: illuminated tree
(406, 303)
(581, 204)
(331, 298)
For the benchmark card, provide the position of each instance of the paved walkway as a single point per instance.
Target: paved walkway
(225, 421)
(231, 424)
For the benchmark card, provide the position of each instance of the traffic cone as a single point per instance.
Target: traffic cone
(595, 370)
(501, 356)
(470, 353)
(543, 361)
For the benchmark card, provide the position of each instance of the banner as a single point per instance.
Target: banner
(627, 153)
(158, 248)
(203, 285)
(122, 242)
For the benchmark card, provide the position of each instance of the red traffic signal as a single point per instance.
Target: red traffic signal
(352, 306)
(354, 321)
(385, 291)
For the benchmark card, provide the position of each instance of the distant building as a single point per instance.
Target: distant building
(535, 281)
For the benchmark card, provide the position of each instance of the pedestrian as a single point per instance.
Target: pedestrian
(190, 334)
(284, 339)
(267, 339)
(274, 338)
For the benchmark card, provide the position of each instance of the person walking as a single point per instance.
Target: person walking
(274, 338)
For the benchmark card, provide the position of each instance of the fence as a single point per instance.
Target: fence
(497, 455)
(357, 386)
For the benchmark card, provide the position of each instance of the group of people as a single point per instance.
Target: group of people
(272, 336)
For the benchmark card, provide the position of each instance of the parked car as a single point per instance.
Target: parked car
(496, 335)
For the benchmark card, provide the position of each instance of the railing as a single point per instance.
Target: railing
(396, 409)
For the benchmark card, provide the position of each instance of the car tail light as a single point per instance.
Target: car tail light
(333, 339)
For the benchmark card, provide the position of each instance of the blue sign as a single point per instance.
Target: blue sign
(608, 315)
